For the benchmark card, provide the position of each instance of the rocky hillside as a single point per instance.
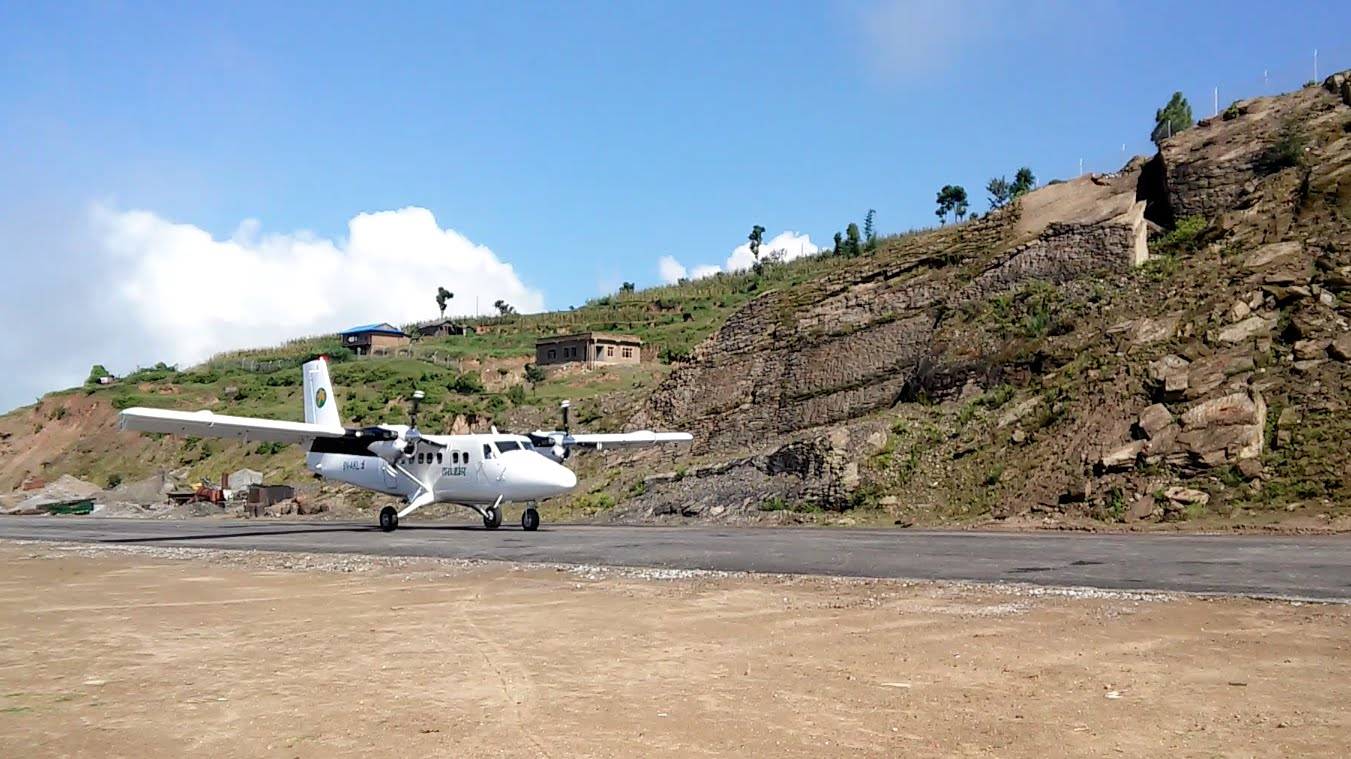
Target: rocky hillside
(1166, 343)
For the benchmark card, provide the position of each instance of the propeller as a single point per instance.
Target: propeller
(557, 442)
(412, 435)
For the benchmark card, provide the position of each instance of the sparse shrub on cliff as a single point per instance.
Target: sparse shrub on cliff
(1286, 150)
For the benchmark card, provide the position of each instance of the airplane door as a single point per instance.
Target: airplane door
(391, 477)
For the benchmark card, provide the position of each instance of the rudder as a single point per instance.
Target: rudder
(320, 406)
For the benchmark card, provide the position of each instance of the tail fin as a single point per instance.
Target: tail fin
(320, 406)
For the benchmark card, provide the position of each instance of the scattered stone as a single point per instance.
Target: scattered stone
(1239, 311)
(1019, 437)
(1020, 410)
(1149, 329)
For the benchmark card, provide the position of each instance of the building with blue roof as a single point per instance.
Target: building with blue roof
(368, 339)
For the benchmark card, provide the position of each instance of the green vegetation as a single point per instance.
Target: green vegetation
(1002, 191)
(1174, 117)
(96, 373)
(951, 200)
(1287, 150)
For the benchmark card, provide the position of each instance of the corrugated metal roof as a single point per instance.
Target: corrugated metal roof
(383, 328)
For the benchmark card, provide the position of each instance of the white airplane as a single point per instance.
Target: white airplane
(478, 471)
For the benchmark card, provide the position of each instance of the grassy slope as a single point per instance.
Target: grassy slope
(468, 379)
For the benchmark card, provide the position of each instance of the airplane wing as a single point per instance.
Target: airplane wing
(617, 439)
(601, 440)
(207, 424)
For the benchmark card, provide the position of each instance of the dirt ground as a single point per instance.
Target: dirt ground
(168, 652)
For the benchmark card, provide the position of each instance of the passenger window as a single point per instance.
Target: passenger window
(487, 451)
(438, 458)
(420, 458)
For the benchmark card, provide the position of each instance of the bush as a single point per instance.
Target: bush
(1185, 236)
(516, 394)
(1286, 151)
(468, 383)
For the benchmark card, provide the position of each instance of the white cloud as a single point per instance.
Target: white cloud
(671, 270)
(784, 246)
(164, 291)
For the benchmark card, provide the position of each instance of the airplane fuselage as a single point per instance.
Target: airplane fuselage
(464, 469)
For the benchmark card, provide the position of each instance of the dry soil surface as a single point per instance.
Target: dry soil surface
(170, 652)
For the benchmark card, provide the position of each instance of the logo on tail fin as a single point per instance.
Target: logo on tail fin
(320, 397)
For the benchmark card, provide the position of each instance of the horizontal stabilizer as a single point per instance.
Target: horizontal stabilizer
(207, 424)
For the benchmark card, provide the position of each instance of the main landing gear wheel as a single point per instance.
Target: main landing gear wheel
(493, 520)
(389, 519)
(530, 520)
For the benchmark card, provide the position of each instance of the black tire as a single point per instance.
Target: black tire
(494, 518)
(389, 519)
(530, 520)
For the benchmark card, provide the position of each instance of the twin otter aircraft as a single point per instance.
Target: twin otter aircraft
(477, 471)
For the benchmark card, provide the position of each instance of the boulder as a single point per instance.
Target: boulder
(1169, 375)
(1207, 374)
(1340, 348)
(1221, 431)
(1251, 469)
(1309, 350)
(1285, 426)
(1243, 330)
(1122, 457)
(1153, 420)
(1238, 408)
(1268, 254)
(1239, 311)
(1180, 497)
(1149, 329)
(1142, 508)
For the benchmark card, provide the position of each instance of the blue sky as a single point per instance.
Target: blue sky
(578, 142)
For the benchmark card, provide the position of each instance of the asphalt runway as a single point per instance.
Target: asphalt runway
(1304, 567)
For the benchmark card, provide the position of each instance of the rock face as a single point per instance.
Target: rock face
(867, 337)
(816, 473)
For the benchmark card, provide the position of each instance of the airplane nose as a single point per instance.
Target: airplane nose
(562, 477)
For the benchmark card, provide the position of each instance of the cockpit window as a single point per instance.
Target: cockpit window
(507, 445)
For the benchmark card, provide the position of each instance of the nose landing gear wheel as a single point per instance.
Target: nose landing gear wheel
(530, 520)
(494, 518)
(389, 519)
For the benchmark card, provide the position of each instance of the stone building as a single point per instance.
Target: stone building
(589, 347)
(373, 338)
(444, 328)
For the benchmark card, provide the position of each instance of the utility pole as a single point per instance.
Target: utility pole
(1266, 84)
(1081, 167)
(1315, 64)
(1217, 102)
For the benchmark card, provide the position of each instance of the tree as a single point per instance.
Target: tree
(852, 240)
(1023, 182)
(443, 295)
(869, 232)
(951, 199)
(756, 236)
(959, 207)
(627, 287)
(839, 244)
(504, 308)
(1174, 117)
(1001, 192)
(96, 373)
